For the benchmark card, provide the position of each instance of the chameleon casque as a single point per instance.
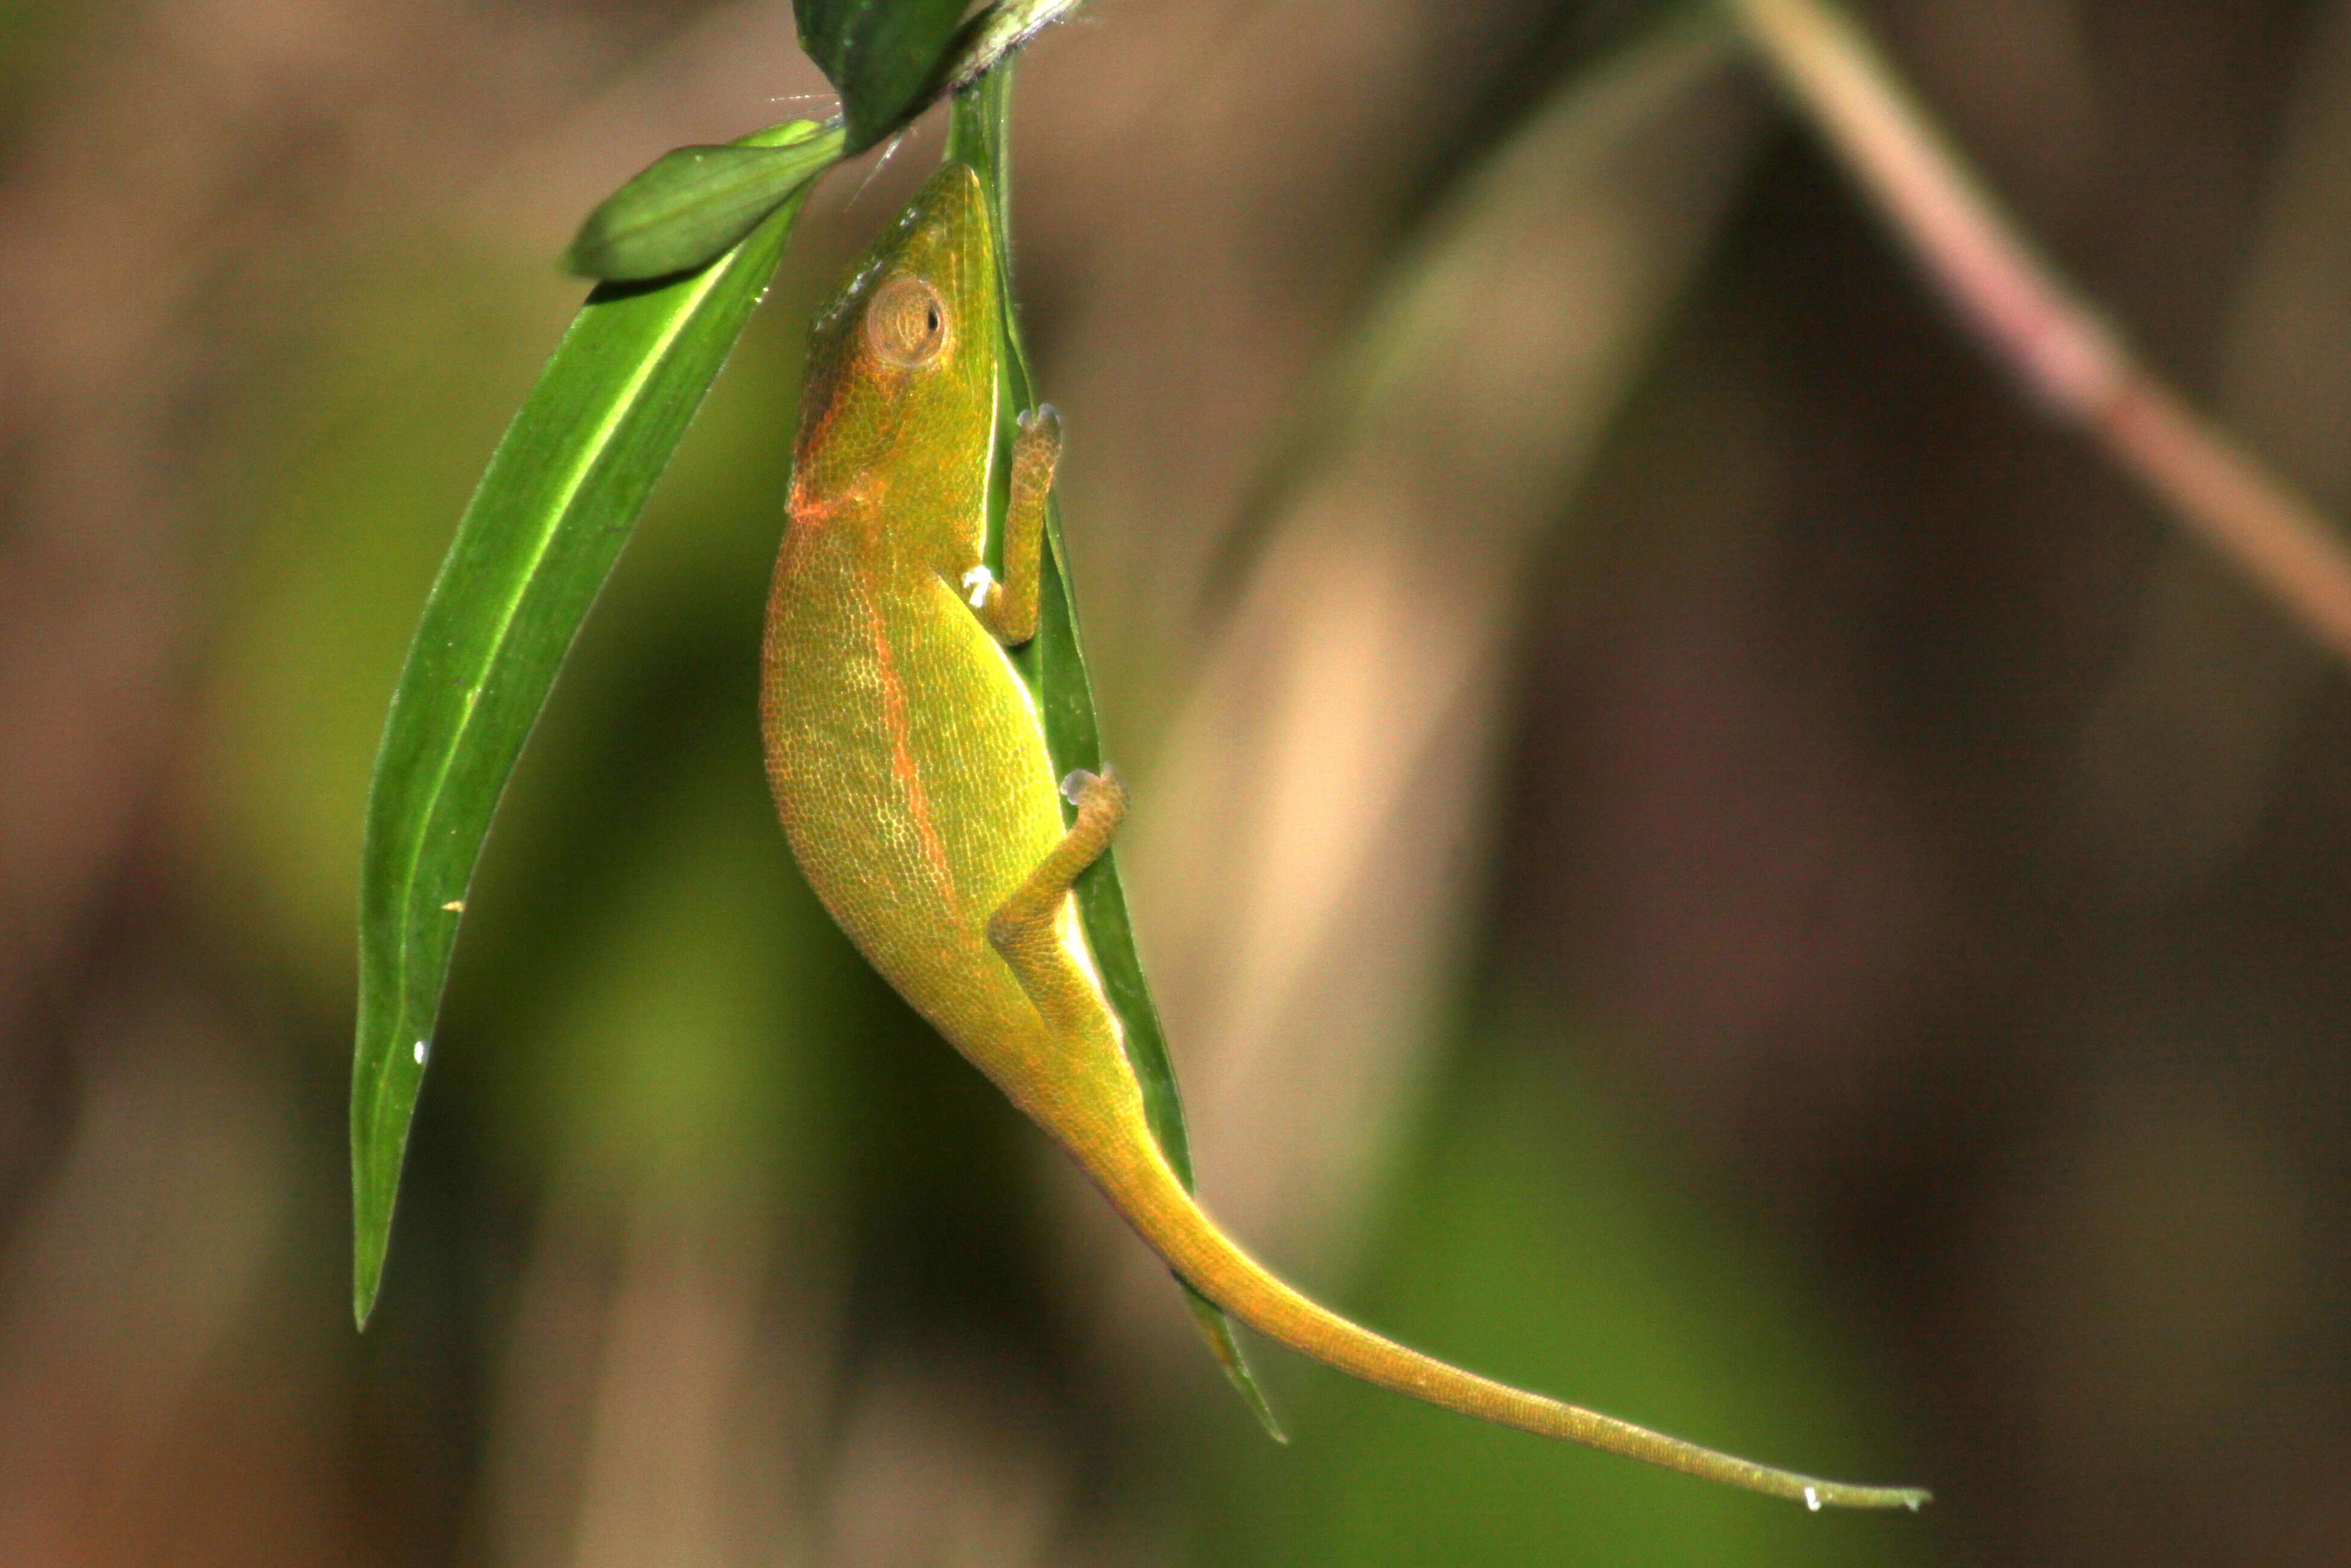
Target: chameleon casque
(910, 767)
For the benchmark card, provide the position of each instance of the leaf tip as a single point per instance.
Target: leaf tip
(364, 1293)
(1243, 1380)
(579, 258)
(368, 1232)
(376, 1157)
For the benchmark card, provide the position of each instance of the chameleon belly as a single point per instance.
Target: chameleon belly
(888, 707)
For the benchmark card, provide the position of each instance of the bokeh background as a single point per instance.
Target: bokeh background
(1699, 854)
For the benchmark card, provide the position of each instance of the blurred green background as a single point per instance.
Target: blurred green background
(1698, 855)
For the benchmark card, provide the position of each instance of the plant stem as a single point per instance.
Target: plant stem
(998, 33)
(2068, 358)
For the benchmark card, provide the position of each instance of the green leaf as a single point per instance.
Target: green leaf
(694, 203)
(535, 545)
(1054, 664)
(883, 56)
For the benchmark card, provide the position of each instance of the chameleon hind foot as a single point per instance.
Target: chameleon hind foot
(1022, 928)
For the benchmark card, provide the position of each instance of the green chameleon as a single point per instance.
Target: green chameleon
(910, 767)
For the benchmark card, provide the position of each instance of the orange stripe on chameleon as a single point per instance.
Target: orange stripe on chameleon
(902, 751)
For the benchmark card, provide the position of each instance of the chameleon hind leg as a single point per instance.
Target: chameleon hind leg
(1026, 928)
(1080, 1035)
(1009, 609)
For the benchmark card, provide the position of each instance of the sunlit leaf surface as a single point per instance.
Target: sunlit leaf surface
(534, 547)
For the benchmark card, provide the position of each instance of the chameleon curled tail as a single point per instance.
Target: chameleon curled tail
(1169, 1217)
(1137, 1179)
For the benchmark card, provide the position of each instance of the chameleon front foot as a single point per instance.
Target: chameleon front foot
(1009, 609)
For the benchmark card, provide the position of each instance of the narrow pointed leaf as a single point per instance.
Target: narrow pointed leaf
(885, 58)
(535, 545)
(691, 206)
(1054, 664)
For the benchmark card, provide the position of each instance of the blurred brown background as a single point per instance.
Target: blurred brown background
(1699, 855)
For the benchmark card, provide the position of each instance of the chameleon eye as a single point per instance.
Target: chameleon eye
(906, 323)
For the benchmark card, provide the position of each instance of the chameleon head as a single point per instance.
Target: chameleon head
(907, 354)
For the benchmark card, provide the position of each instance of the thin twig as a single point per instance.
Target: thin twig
(2065, 354)
(998, 33)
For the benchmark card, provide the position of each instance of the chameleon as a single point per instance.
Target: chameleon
(909, 765)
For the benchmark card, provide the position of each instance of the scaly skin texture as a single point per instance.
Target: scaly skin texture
(910, 767)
